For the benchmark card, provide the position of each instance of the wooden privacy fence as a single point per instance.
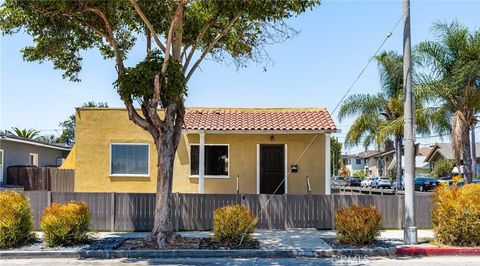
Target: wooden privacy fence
(41, 178)
(135, 211)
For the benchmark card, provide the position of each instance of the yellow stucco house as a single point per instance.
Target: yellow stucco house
(246, 150)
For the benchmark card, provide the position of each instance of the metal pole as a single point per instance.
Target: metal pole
(474, 153)
(410, 231)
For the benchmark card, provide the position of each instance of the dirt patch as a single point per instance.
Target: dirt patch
(183, 243)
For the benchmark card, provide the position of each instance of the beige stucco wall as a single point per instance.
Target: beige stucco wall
(97, 129)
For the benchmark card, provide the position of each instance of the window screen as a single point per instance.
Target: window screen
(129, 159)
(216, 160)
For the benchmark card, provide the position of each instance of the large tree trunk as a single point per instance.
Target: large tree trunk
(166, 144)
(467, 157)
(398, 158)
(162, 231)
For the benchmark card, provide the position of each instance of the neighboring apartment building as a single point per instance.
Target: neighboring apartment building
(444, 151)
(374, 163)
(361, 161)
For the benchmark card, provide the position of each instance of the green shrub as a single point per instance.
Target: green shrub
(66, 224)
(16, 223)
(360, 174)
(443, 168)
(231, 224)
(456, 215)
(357, 225)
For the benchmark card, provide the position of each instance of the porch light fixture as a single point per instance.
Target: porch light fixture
(272, 138)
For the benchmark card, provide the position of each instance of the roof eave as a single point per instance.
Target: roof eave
(7, 138)
(196, 131)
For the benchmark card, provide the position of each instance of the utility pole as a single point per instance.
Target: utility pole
(410, 231)
(474, 152)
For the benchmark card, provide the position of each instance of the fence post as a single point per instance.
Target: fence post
(112, 210)
(332, 211)
(49, 198)
(399, 211)
(176, 211)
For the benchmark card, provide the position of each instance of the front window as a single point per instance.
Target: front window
(216, 160)
(129, 159)
(358, 161)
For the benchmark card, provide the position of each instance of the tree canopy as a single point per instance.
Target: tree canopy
(451, 83)
(184, 32)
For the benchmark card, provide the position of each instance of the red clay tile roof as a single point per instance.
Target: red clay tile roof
(258, 119)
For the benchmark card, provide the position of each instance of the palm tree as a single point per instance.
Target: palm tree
(380, 116)
(453, 84)
(376, 113)
(26, 133)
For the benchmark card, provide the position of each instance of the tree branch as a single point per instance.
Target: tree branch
(212, 44)
(149, 41)
(194, 47)
(110, 39)
(149, 25)
(132, 113)
(157, 85)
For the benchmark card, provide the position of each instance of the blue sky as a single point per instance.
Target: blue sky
(314, 69)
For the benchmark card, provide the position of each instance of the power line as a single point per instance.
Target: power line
(315, 136)
(389, 34)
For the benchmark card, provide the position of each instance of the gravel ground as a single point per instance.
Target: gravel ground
(296, 239)
(107, 243)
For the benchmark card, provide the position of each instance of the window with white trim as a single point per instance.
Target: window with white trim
(33, 159)
(129, 159)
(216, 160)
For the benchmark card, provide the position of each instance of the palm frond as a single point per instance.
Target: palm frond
(358, 104)
(363, 129)
(390, 66)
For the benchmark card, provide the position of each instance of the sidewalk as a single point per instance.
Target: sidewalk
(273, 243)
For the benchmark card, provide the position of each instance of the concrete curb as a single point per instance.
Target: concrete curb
(196, 253)
(381, 252)
(436, 251)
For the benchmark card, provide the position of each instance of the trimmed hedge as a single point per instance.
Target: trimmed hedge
(66, 224)
(357, 226)
(456, 215)
(232, 225)
(16, 222)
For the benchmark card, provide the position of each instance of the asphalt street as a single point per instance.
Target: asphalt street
(437, 261)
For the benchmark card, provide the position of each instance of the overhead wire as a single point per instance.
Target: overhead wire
(389, 34)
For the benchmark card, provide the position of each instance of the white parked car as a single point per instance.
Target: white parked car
(366, 182)
(381, 182)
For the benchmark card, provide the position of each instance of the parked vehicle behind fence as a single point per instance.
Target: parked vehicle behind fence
(426, 183)
(354, 181)
(367, 182)
(462, 183)
(338, 181)
(381, 182)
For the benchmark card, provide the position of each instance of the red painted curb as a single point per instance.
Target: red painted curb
(436, 251)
